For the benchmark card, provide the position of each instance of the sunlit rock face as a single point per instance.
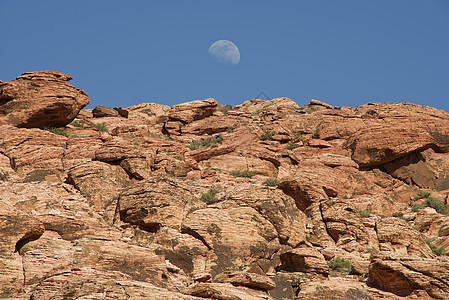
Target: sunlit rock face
(262, 200)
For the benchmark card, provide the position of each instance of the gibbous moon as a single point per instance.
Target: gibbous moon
(225, 51)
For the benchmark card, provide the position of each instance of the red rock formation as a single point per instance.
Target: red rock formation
(202, 200)
(40, 99)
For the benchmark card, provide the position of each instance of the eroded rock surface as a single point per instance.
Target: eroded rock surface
(262, 200)
(40, 99)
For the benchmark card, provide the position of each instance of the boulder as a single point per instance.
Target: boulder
(248, 279)
(40, 99)
(344, 224)
(397, 236)
(28, 157)
(191, 111)
(405, 276)
(122, 111)
(157, 202)
(309, 183)
(99, 182)
(240, 237)
(379, 145)
(321, 103)
(276, 207)
(104, 111)
(304, 259)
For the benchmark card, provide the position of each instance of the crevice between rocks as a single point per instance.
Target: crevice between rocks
(426, 274)
(23, 241)
(196, 235)
(324, 222)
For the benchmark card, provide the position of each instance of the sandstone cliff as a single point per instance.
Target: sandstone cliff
(262, 200)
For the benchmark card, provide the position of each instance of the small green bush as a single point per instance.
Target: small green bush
(271, 182)
(209, 196)
(311, 110)
(102, 127)
(256, 112)
(436, 204)
(77, 124)
(267, 135)
(204, 143)
(370, 250)
(438, 251)
(226, 109)
(417, 206)
(297, 136)
(59, 131)
(291, 146)
(340, 265)
(243, 173)
(421, 195)
(165, 175)
(311, 237)
(364, 213)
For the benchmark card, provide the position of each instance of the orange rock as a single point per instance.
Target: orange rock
(40, 99)
(379, 145)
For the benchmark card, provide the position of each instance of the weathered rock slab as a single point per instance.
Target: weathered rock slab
(40, 99)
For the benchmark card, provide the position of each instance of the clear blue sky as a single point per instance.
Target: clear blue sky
(346, 52)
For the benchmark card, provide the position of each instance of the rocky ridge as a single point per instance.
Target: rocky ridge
(262, 200)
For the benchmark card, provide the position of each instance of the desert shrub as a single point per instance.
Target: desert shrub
(256, 112)
(297, 136)
(165, 175)
(364, 213)
(243, 173)
(204, 143)
(311, 237)
(271, 182)
(436, 204)
(267, 135)
(310, 110)
(59, 131)
(417, 206)
(102, 127)
(209, 196)
(291, 146)
(226, 109)
(339, 266)
(438, 251)
(421, 195)
(77, 124)
(370, 250)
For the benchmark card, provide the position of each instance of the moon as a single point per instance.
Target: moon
(225, 51)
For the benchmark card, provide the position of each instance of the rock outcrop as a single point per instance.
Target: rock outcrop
(262, 200)
(40, 99)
